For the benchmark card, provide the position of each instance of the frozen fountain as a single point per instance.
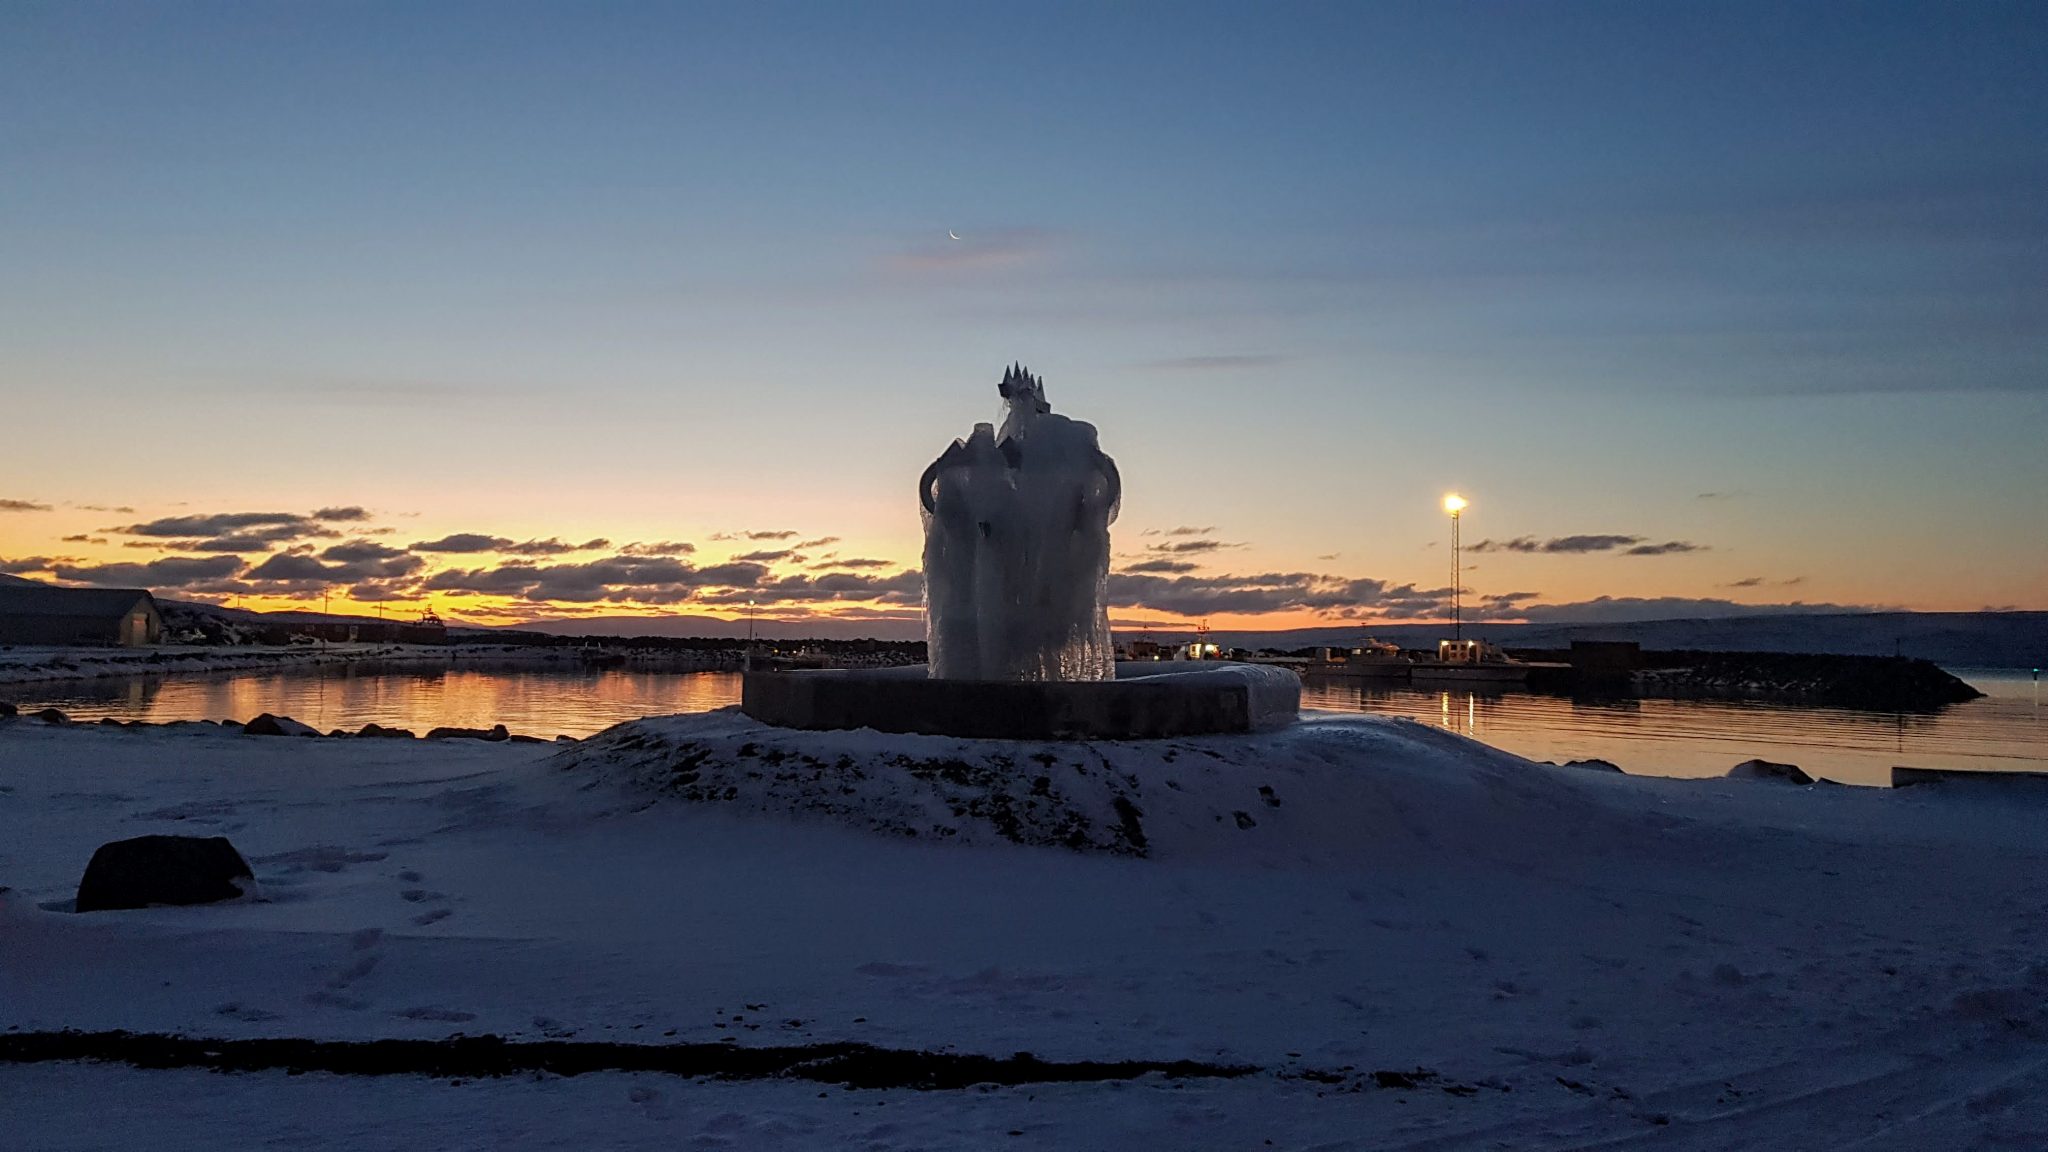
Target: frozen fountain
(1016, 546)
(1016, 573)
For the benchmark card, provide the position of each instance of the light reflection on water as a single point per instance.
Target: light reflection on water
(2003, 732)
(538, 702)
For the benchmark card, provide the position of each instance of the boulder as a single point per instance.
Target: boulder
(52, 716)
(268, 725)
(1594, 765)
(163, 870)
(7, 709)
(379, 732)
(495, 732)
(1767, 770)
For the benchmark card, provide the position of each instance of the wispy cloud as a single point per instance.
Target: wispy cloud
(22, 506)
(1215, 363)
(999, 249)
(1628, 545)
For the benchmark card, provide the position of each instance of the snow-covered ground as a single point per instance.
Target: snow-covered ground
(1551, 957)
(23, 664)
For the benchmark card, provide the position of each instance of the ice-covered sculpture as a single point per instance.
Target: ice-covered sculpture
(1016, 546)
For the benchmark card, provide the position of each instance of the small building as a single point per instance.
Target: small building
(46, 614)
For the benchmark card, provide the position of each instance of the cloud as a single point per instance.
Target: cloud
(83, 538)
(820, 542)
(258, 541)
(1566, 544)
(1188, 547)
(771, 534)
(1273, 592)
(218, 524)
(904, 588)
(463, 542)
(359, 550)
(553, 546)
(28, 564)
(1161, 565)
(647, 580)
(359, 563)
(1735, 494)
(1580, 545)
(659, 548)
(22, 506)
(774, 556)
(977, 251)
(1630, 609)
(231, 531)
(856, 562)
(1183, 530)
(1215, 363)
(168, 572)
(346, 514)
(1761, 582)
(116, 509)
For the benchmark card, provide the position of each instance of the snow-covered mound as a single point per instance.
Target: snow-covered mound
(1334, 786)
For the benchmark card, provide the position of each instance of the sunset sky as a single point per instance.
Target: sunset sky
(531, 311)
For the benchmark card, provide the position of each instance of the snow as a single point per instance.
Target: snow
(1578, 957)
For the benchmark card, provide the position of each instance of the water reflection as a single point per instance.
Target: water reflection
(2003, 732)
(538, 702)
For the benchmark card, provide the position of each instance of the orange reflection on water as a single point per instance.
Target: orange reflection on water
(573, 703)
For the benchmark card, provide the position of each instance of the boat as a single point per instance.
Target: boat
(1469, 662)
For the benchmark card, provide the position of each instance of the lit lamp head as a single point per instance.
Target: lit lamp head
(1454, 504)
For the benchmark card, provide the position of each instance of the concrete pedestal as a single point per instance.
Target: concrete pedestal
(1147, 700)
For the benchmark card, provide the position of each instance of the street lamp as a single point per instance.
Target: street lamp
(750, 635)
(1455, 504)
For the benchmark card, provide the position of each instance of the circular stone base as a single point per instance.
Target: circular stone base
(1147, 700)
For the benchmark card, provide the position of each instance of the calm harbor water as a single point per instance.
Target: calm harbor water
(2005, 731)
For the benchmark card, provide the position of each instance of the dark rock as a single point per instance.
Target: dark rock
(162, 870)
(268, 725)
(379, 732)
(111, 722)
(519, 739)
(7, 709)
(52, 716)
(1767, 770)
(565, 740)
(495, 732)
(1594, 765)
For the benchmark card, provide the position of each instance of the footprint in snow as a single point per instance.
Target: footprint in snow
(433, 916)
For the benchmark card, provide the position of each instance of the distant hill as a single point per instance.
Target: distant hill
(1957, 639)
(1965, 639)
(6, 579)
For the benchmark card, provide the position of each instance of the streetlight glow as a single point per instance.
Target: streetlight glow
(1454, 503)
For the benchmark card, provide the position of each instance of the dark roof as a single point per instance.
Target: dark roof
(49, 600)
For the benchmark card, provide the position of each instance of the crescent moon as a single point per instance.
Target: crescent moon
(950, 235)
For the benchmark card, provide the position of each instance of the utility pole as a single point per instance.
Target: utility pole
(1454, 504)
